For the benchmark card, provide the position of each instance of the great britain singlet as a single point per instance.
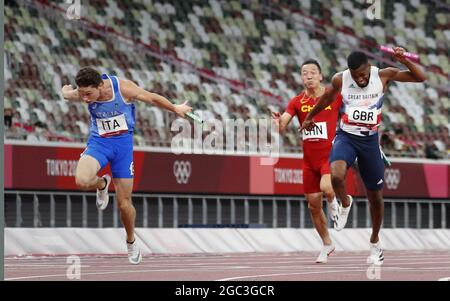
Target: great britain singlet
(361, 107)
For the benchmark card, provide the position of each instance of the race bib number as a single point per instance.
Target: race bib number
(112, 126)
(364, 116)
(318, 132)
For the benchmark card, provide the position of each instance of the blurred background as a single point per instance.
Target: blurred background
(230, 59)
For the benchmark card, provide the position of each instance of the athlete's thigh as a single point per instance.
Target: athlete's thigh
(99, 149)
(325, 183)
(343, 149)
(122, 162)
(371, 166)
(87, 167)
(311, 180)
(322, 171)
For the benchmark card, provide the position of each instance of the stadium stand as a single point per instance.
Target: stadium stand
(230, 59)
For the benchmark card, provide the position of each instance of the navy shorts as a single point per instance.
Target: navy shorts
(349, 147)
(118, 151)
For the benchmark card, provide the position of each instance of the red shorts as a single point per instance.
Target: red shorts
(315, 165)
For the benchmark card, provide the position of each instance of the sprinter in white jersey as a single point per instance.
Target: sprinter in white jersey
(362, 87)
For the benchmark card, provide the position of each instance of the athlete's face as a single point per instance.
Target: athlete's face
(311, 76)
(361, 75)
(89, 94)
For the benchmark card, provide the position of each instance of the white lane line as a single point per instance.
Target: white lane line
(335, 257)
(18, 265)
(204, 269)
(333, 260)
(322, 272)
(321, 268)
(120, 272)
(342, 254)
(444, 279)
(288, 274)
(260, 264)
(245, 255)
(315, 267)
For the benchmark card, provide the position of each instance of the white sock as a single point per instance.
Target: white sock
(376, 245)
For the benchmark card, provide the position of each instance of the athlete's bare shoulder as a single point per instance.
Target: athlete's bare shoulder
(128, 89)
(126, 83)
(388, 73)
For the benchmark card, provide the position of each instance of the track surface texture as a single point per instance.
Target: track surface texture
(342, 266)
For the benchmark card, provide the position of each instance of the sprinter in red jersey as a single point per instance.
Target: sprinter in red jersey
(316, 149)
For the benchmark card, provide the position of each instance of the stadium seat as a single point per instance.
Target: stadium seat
(234, 42)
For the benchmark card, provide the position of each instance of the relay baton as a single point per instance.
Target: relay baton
(194, 117)
(409, 55)
(387, 163)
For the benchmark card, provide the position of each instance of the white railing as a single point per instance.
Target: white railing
(77, 209)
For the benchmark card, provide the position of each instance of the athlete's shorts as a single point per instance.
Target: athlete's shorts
(118, 151)
(315, 165)
(348, 147)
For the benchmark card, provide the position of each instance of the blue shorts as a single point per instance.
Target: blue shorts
(348, 147)
(118, 151)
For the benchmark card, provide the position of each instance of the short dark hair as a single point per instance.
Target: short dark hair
(87, 77)
(311, 61)
(356, 59)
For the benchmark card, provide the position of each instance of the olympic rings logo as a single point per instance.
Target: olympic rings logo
(182, 171)
(392, 178)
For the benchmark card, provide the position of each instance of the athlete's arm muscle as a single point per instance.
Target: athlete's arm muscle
(325, 100)
(70, 93)
(282, 121)
(414, 73)
(130, 90)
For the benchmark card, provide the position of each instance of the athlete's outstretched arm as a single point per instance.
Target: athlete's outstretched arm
(69, 93)
(281, 121)
(132, 91)
(325, 100)
(413, 74)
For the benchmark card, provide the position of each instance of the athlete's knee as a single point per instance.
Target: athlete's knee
(315, 206)
(83, 183)
(125, 204)
(337, 179)
(375, 201)
(375, 196)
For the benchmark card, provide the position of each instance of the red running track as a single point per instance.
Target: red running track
(398, 265)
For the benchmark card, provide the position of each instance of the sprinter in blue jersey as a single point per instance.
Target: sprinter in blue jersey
(112, 110)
